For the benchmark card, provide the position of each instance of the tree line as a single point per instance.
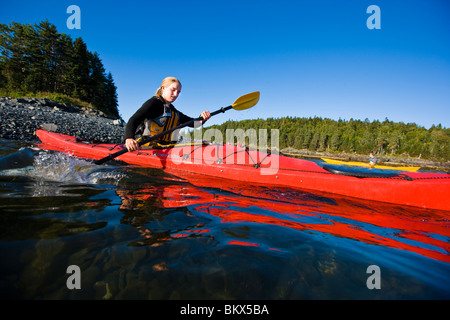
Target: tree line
(353, 136)
(36, 58)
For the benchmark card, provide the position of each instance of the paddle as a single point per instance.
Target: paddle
(242, 103)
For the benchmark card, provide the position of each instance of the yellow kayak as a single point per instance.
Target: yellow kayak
(362, 164)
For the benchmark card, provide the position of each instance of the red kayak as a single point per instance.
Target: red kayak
(223, 161)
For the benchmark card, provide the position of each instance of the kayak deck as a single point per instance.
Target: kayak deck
(426, 190)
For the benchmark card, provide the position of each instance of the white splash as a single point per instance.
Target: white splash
(62, 167)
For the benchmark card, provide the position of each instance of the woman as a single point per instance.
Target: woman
(158, 115)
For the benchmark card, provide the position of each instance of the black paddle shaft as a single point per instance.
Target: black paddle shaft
(159, 135)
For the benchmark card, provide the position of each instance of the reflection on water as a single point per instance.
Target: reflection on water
(414, 230)
(138, 233)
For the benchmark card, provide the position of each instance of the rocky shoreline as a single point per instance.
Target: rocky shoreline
(21, 117)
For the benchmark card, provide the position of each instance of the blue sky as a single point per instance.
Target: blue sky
(307, 58)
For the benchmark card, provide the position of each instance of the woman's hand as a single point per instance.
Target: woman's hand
(132, 145)
(205, 115)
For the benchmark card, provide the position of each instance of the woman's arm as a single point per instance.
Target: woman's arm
(148, 110)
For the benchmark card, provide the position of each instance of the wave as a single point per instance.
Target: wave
(53, 166)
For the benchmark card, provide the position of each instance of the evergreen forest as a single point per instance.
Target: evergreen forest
(353, 136)
(38, 59)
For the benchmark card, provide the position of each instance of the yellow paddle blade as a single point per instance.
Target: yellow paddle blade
(246, 101)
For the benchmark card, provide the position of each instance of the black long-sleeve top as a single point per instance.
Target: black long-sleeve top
(151, 109)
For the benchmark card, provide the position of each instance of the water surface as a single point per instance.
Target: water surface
(139, 233)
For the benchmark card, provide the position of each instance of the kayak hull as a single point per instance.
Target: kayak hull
(426, 190)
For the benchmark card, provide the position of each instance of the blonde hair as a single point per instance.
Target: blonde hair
(166, 83)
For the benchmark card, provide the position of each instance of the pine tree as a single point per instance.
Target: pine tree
(78, 73)
(97, 80)
(111, 96)
(14, 55)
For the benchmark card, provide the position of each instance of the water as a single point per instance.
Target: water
(139, 233)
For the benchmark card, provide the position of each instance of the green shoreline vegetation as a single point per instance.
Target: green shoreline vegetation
(387, 138)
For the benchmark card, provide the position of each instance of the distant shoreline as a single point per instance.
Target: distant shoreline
(383, 160)
(21, 117)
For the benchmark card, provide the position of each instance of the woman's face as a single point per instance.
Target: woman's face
(170, 93)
